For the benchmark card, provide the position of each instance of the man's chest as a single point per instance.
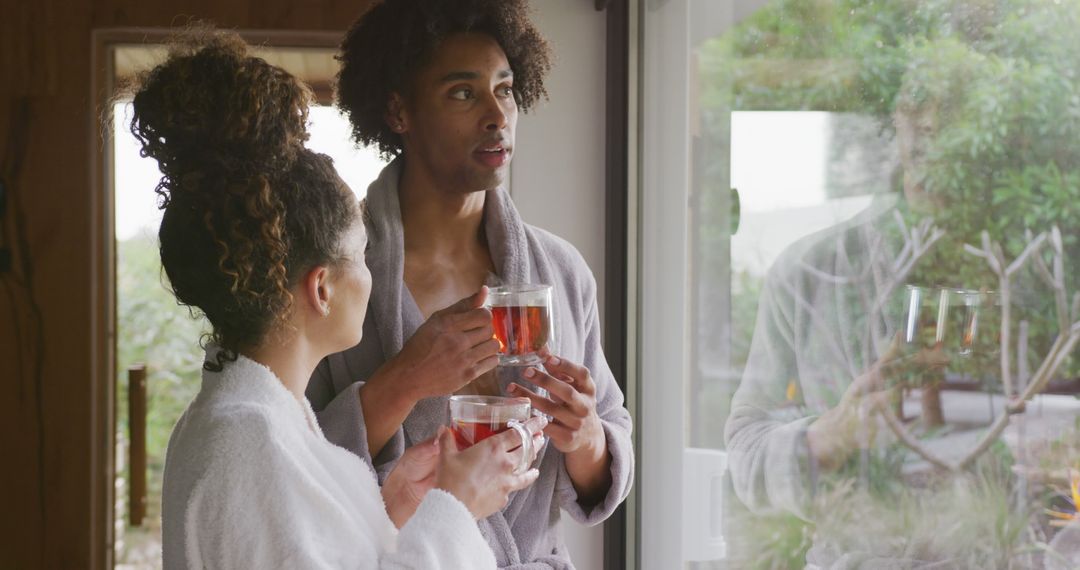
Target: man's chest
(435, 285)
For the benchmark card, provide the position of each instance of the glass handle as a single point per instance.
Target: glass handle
(526, 445)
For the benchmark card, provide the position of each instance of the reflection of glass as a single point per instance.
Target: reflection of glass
(921, 317)
(981, 322)
(970, 328)
(949, 333)
(745, 77)
(960, 321)
(953, 316)
(521, 316)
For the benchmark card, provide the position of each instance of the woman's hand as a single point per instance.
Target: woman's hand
(410, 480)
(483, 476)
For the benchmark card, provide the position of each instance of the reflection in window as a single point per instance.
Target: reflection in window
(902, 323)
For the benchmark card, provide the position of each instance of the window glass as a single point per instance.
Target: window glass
(875, 303)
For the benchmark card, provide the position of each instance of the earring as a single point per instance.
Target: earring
(326, 310)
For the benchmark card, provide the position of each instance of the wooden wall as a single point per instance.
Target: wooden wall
(54, 486)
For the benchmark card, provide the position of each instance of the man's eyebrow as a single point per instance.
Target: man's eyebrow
(458, 76)
(470, 75)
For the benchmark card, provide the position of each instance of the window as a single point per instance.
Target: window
(860, 277)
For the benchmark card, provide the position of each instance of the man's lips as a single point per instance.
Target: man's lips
(493, 156)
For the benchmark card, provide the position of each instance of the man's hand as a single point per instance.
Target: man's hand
(575, 428)
(447, 352)
(454, 346)
(852, 424)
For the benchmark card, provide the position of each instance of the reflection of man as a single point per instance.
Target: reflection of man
(824, 348)
(438, 84)
(812, 363)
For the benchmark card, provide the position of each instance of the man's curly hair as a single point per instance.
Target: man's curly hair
(385, 47)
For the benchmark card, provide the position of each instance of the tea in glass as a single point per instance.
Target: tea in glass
(521, 317)
(476, 418)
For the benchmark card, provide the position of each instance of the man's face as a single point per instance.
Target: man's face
(458, 121)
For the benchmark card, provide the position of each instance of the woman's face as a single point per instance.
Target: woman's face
(351, 281)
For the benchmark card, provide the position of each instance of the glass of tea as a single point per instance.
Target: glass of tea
(924, 315)
(475, 418)
(521, 316)
(962, 322)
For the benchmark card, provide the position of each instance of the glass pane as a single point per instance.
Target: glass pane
(152, 329)
(882, 276)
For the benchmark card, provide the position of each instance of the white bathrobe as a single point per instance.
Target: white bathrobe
(251, 482)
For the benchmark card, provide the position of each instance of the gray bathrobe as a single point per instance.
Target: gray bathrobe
(811, 340)
(523, 536)
(810, 332)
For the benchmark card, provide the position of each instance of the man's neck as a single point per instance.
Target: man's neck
(439, 221)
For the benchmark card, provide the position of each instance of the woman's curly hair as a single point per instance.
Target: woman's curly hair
(247, 208)
(385, 47)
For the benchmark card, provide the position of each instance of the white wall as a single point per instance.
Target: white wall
(557, 176)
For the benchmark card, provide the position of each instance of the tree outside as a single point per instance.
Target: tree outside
(152, 330)
(973, 107)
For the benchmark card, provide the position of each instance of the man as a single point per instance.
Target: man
(829, 355)
(438, 84)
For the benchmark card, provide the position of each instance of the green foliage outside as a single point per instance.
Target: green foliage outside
(153, 330)
(997, 85)
(992, 88)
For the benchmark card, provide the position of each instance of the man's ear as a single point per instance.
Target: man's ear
(317, 289)
(395, 114)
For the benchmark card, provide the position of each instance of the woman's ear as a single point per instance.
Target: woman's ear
(317, 289)
(395, 114)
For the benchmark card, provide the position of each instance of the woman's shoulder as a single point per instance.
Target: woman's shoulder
(217, 433)
(211, 448)
(250, 481)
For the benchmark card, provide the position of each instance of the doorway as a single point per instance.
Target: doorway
(157, 356)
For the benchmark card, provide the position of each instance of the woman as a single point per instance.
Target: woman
(263, 237)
